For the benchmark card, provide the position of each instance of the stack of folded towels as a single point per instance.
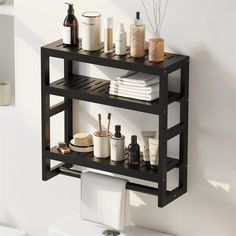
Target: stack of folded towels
(135, 85)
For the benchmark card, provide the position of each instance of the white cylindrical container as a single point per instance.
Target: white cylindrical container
(121, 41)
(91, 31)
(101, 142)
(117, 148)
(117, 145)
(5, 93)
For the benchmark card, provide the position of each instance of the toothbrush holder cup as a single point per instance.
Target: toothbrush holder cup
(101, 141)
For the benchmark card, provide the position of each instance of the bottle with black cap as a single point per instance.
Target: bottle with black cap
(70, 28)
(137, 37)
(134, 152)
(117, 145)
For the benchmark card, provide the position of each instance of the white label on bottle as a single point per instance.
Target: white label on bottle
(66, 35)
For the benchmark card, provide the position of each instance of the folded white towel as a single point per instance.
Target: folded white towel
(137, 79)
(105, 200)
(142, 90)
(144, 97)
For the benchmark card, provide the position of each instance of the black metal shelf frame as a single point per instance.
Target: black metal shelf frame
(96, 90)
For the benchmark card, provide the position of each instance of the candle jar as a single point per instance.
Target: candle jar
(156, 49)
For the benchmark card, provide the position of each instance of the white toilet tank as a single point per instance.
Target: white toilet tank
(72, 225)
(6, 231)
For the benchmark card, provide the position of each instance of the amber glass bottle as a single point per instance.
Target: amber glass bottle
(70, 28)
(134, 152)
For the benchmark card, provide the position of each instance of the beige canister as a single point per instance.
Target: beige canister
(5, 93)
(91, 31)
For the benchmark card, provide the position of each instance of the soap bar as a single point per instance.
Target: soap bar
(83, 139)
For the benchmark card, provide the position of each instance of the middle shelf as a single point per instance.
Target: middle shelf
(97, 90)
(121, 168)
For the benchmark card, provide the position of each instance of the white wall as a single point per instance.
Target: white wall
(206, 31)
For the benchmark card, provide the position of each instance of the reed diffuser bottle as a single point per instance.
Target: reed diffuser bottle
(137, 37)
(156, 43)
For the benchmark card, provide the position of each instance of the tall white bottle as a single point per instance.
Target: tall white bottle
(117, 145)
(121, 41)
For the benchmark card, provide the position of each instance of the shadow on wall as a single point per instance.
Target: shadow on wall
(7, 219)
(18, 198)
(210, 200)
(211, 159)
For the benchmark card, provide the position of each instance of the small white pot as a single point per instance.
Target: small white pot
(5, 93)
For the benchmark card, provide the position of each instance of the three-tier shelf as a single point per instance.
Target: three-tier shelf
(75, 86)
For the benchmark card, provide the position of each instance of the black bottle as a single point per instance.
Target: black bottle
(134, 152)
(70, 28)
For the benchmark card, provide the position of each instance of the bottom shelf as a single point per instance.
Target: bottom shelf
(130, 186)
(121, 168)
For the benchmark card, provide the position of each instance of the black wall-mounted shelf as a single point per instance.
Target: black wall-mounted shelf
(97, 91)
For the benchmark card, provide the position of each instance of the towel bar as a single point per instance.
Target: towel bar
(130, 186)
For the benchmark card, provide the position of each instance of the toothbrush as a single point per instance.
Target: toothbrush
(100, 123)
(109, 121)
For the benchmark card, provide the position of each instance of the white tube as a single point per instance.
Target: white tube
(154, 151)
(146, 135)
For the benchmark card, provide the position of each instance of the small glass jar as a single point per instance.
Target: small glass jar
(156, 49)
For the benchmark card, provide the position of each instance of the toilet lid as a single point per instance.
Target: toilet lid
(72, 225)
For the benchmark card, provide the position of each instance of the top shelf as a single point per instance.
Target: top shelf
(7, 8)
(171, 63)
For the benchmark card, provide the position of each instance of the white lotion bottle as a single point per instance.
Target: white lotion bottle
(117, 145)
(120, 40)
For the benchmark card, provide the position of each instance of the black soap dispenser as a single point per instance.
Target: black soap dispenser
(134, 152)
(117, 145)
(70, 28)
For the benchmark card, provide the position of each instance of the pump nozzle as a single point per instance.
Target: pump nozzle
(70, 9)
(138, 20)
(117, 133)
